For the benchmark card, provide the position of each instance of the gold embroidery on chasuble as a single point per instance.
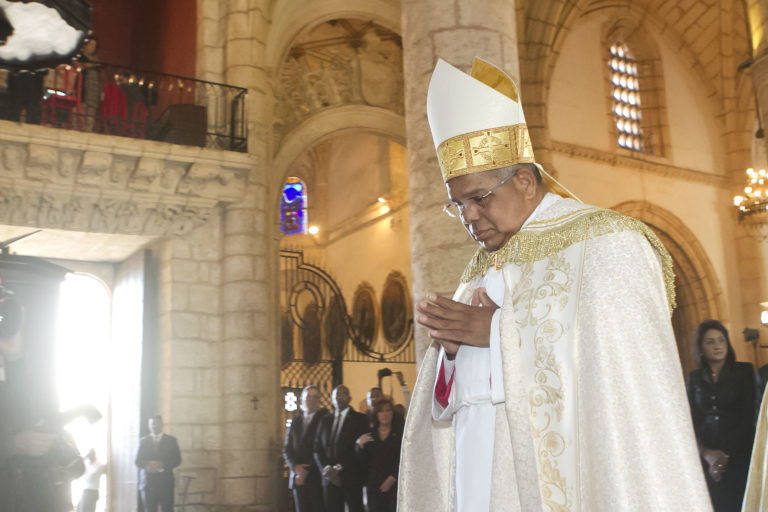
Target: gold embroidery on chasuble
(543, 238)
(538, 312)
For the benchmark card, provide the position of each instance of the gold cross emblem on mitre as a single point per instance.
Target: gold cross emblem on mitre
(491, 148)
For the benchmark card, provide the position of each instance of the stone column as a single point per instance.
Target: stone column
(190, 336)
(456, 31)
(210, 40)
(249, 368)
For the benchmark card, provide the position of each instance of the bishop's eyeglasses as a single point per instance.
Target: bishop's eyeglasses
(457, 209)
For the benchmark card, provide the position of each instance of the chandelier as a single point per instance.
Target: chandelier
(755, 198)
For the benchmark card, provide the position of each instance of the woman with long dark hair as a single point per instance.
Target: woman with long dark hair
(381, 449)
(722, 398)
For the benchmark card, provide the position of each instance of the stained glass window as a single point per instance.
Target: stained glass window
(293, 208)
(626, 97)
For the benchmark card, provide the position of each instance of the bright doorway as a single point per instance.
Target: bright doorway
(82, 365)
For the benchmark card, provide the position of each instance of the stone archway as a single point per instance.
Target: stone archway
(333, 122)
(699, 295)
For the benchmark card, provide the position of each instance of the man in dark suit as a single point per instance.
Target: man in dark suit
(158, 455)
(298, 452)
(342, 470)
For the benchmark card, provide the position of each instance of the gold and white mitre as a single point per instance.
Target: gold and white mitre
(477, 122)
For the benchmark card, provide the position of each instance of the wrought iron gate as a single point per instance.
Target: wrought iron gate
(318, 334)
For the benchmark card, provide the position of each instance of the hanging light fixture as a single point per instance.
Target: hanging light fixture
(755, 197)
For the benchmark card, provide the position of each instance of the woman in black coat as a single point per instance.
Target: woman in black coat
(381, 449)
(722, 398)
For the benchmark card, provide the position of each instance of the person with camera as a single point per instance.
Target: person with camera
(38, 460)
(375, 393)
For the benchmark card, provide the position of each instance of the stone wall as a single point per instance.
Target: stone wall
(190, 338)
(455, 31)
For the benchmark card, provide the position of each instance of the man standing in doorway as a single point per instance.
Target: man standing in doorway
(298, 451)
(343, 473)
(553, 381)
(158, 456)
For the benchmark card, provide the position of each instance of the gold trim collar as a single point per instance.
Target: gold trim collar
(543, 238)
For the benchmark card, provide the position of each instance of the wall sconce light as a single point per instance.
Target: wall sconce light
(313, 230)
(764, 314)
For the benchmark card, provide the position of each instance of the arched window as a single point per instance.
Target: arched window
(293, 207)
(627, 107)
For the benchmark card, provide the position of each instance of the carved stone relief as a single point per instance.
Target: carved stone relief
(68, 165)
(42, 163)
(99, 214)
(342, 62)
(94, 167)
(69, 188)
(13, 159)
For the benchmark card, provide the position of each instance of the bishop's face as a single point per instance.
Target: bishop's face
(492, 220)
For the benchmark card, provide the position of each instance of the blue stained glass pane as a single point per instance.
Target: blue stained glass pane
(291, 192)
(293, 207)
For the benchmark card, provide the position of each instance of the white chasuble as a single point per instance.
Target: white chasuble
(756, 493)
(594, 414)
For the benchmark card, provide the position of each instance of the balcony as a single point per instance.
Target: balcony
(113, 100)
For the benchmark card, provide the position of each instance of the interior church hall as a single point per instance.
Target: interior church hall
(247, 247)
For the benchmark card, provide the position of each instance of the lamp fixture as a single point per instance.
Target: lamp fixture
(755, 198)
(313, 230)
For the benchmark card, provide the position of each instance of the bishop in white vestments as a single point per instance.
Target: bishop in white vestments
(553, 381)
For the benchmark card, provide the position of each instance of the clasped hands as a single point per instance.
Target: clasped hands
(332, 474)
(453, 324)
(155, 466)
(301, 471)
(717, 461)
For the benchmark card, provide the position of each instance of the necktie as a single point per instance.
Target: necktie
(335, 432)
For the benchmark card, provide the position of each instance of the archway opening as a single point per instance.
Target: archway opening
(696, 285)
(82, 372)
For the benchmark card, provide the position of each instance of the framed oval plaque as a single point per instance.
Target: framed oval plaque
(396, 311)
(364, 317)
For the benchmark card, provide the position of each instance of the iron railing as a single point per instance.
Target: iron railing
(115, 100)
